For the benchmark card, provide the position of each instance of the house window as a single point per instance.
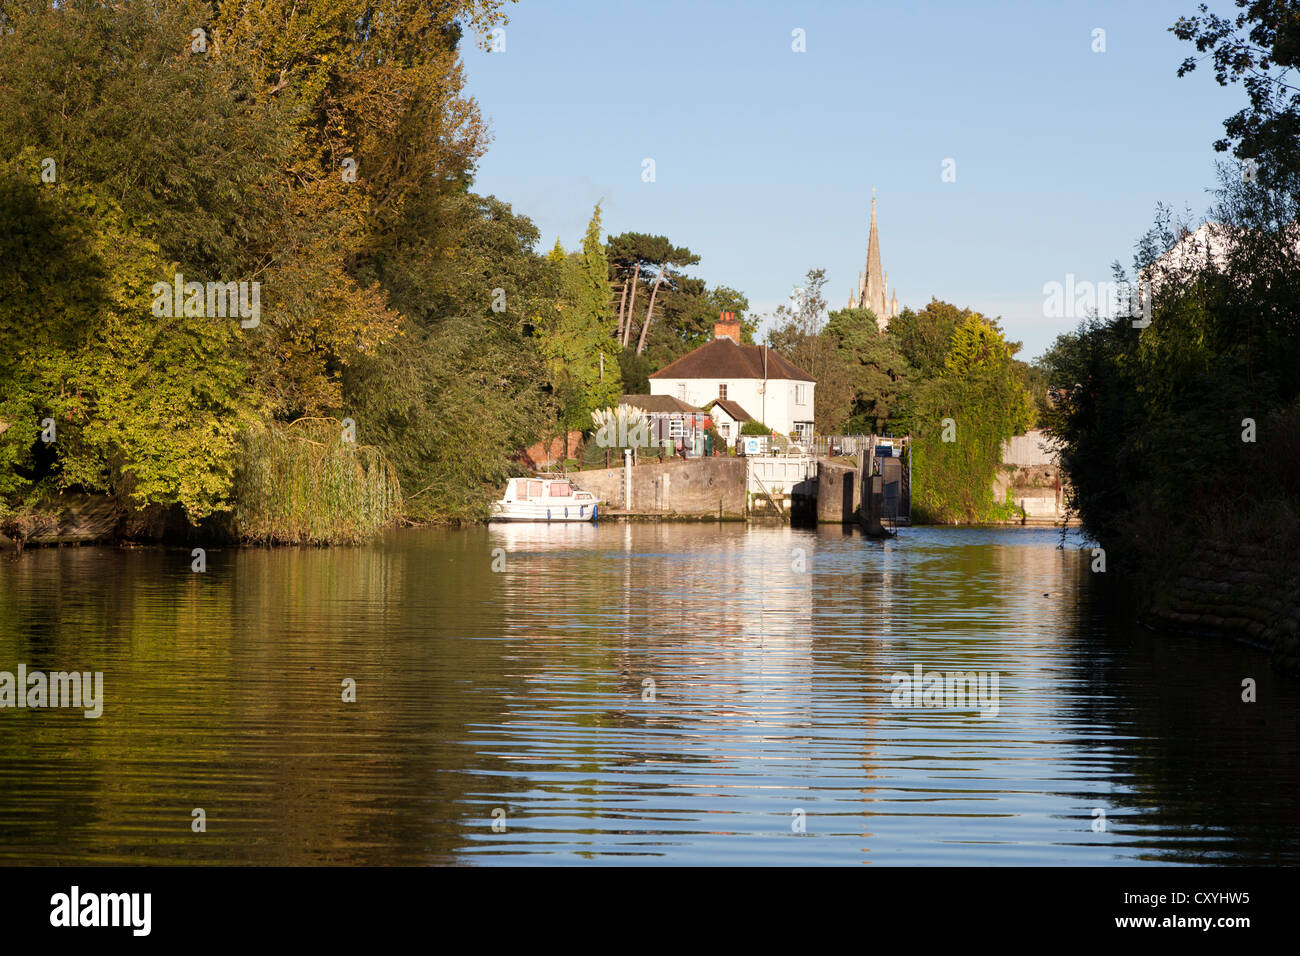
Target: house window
(681, 391)
(676, 428)
(722, 391)
(799, 394)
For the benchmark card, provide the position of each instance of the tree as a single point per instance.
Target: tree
(796, 326)
(865, 375)
(375, 287)
(142, 406)
(574, 333)
(461, 390)
(924, 337)
(636, 257)
(688, 314)
(1259, 48)
(959, 420)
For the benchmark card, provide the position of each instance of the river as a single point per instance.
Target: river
(630, 693)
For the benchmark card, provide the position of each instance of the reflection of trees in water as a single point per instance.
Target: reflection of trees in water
(224, 692)
(1203, 777)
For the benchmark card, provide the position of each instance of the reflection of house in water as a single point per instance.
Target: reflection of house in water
(740, 633)
(758, 634)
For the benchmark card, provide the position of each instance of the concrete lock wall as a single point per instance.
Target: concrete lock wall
(701, 487)
(1039, 502)
(839, 493)
(1031, 448)
(789, 479)
(1033, 476)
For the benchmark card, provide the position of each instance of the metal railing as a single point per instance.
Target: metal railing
(834, 446)
(769, 445)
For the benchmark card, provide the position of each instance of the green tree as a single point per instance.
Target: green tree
(144, 407)
(574, 334)
(461, 390)
(924, 337)
(865, 375)
(638, 259)
(959, 420)
(1259, 48)
(795, 329)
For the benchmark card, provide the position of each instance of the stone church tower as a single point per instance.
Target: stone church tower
(873, 285)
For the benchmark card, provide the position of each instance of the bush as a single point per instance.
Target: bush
(308, 486)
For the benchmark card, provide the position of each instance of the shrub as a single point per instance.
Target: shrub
(303, 484)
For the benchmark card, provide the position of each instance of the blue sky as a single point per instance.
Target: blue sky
(765, 158)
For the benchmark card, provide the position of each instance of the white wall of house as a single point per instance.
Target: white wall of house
(727, 426)
(788, 403)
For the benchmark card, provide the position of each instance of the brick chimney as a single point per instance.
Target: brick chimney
(727, 327)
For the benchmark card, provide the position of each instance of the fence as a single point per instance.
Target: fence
(832, 446)
(835, 446)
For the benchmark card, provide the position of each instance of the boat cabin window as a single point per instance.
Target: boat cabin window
(532, 489)
(560, 489)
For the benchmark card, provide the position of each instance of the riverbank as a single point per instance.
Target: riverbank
(60, 534)
(1237, 591)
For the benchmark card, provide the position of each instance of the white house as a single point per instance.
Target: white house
(759, 382)
(728, 418)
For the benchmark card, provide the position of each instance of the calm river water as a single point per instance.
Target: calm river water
(676, 693)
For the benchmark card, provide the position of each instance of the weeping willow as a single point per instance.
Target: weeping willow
(305, 484)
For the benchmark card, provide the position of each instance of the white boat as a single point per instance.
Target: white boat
(545, 499)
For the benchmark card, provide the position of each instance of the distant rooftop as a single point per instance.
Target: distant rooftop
(660, 405)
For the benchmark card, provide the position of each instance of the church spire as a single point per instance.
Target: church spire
(874, 293)
(873, 284)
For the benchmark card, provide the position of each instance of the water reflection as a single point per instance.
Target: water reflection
(628, 693)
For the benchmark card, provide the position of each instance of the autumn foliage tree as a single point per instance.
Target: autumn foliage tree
(324, 152)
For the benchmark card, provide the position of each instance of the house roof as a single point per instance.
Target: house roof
(660, 405)
(733, 409)
(723, 358)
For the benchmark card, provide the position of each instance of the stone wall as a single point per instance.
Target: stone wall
(1238, 591)
(698, 487)
(839, 493)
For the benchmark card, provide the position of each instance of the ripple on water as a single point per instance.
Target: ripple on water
(629, 694)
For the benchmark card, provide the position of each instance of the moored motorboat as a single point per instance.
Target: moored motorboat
(545, 499)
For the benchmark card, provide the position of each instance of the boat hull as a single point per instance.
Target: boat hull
(529, 511)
